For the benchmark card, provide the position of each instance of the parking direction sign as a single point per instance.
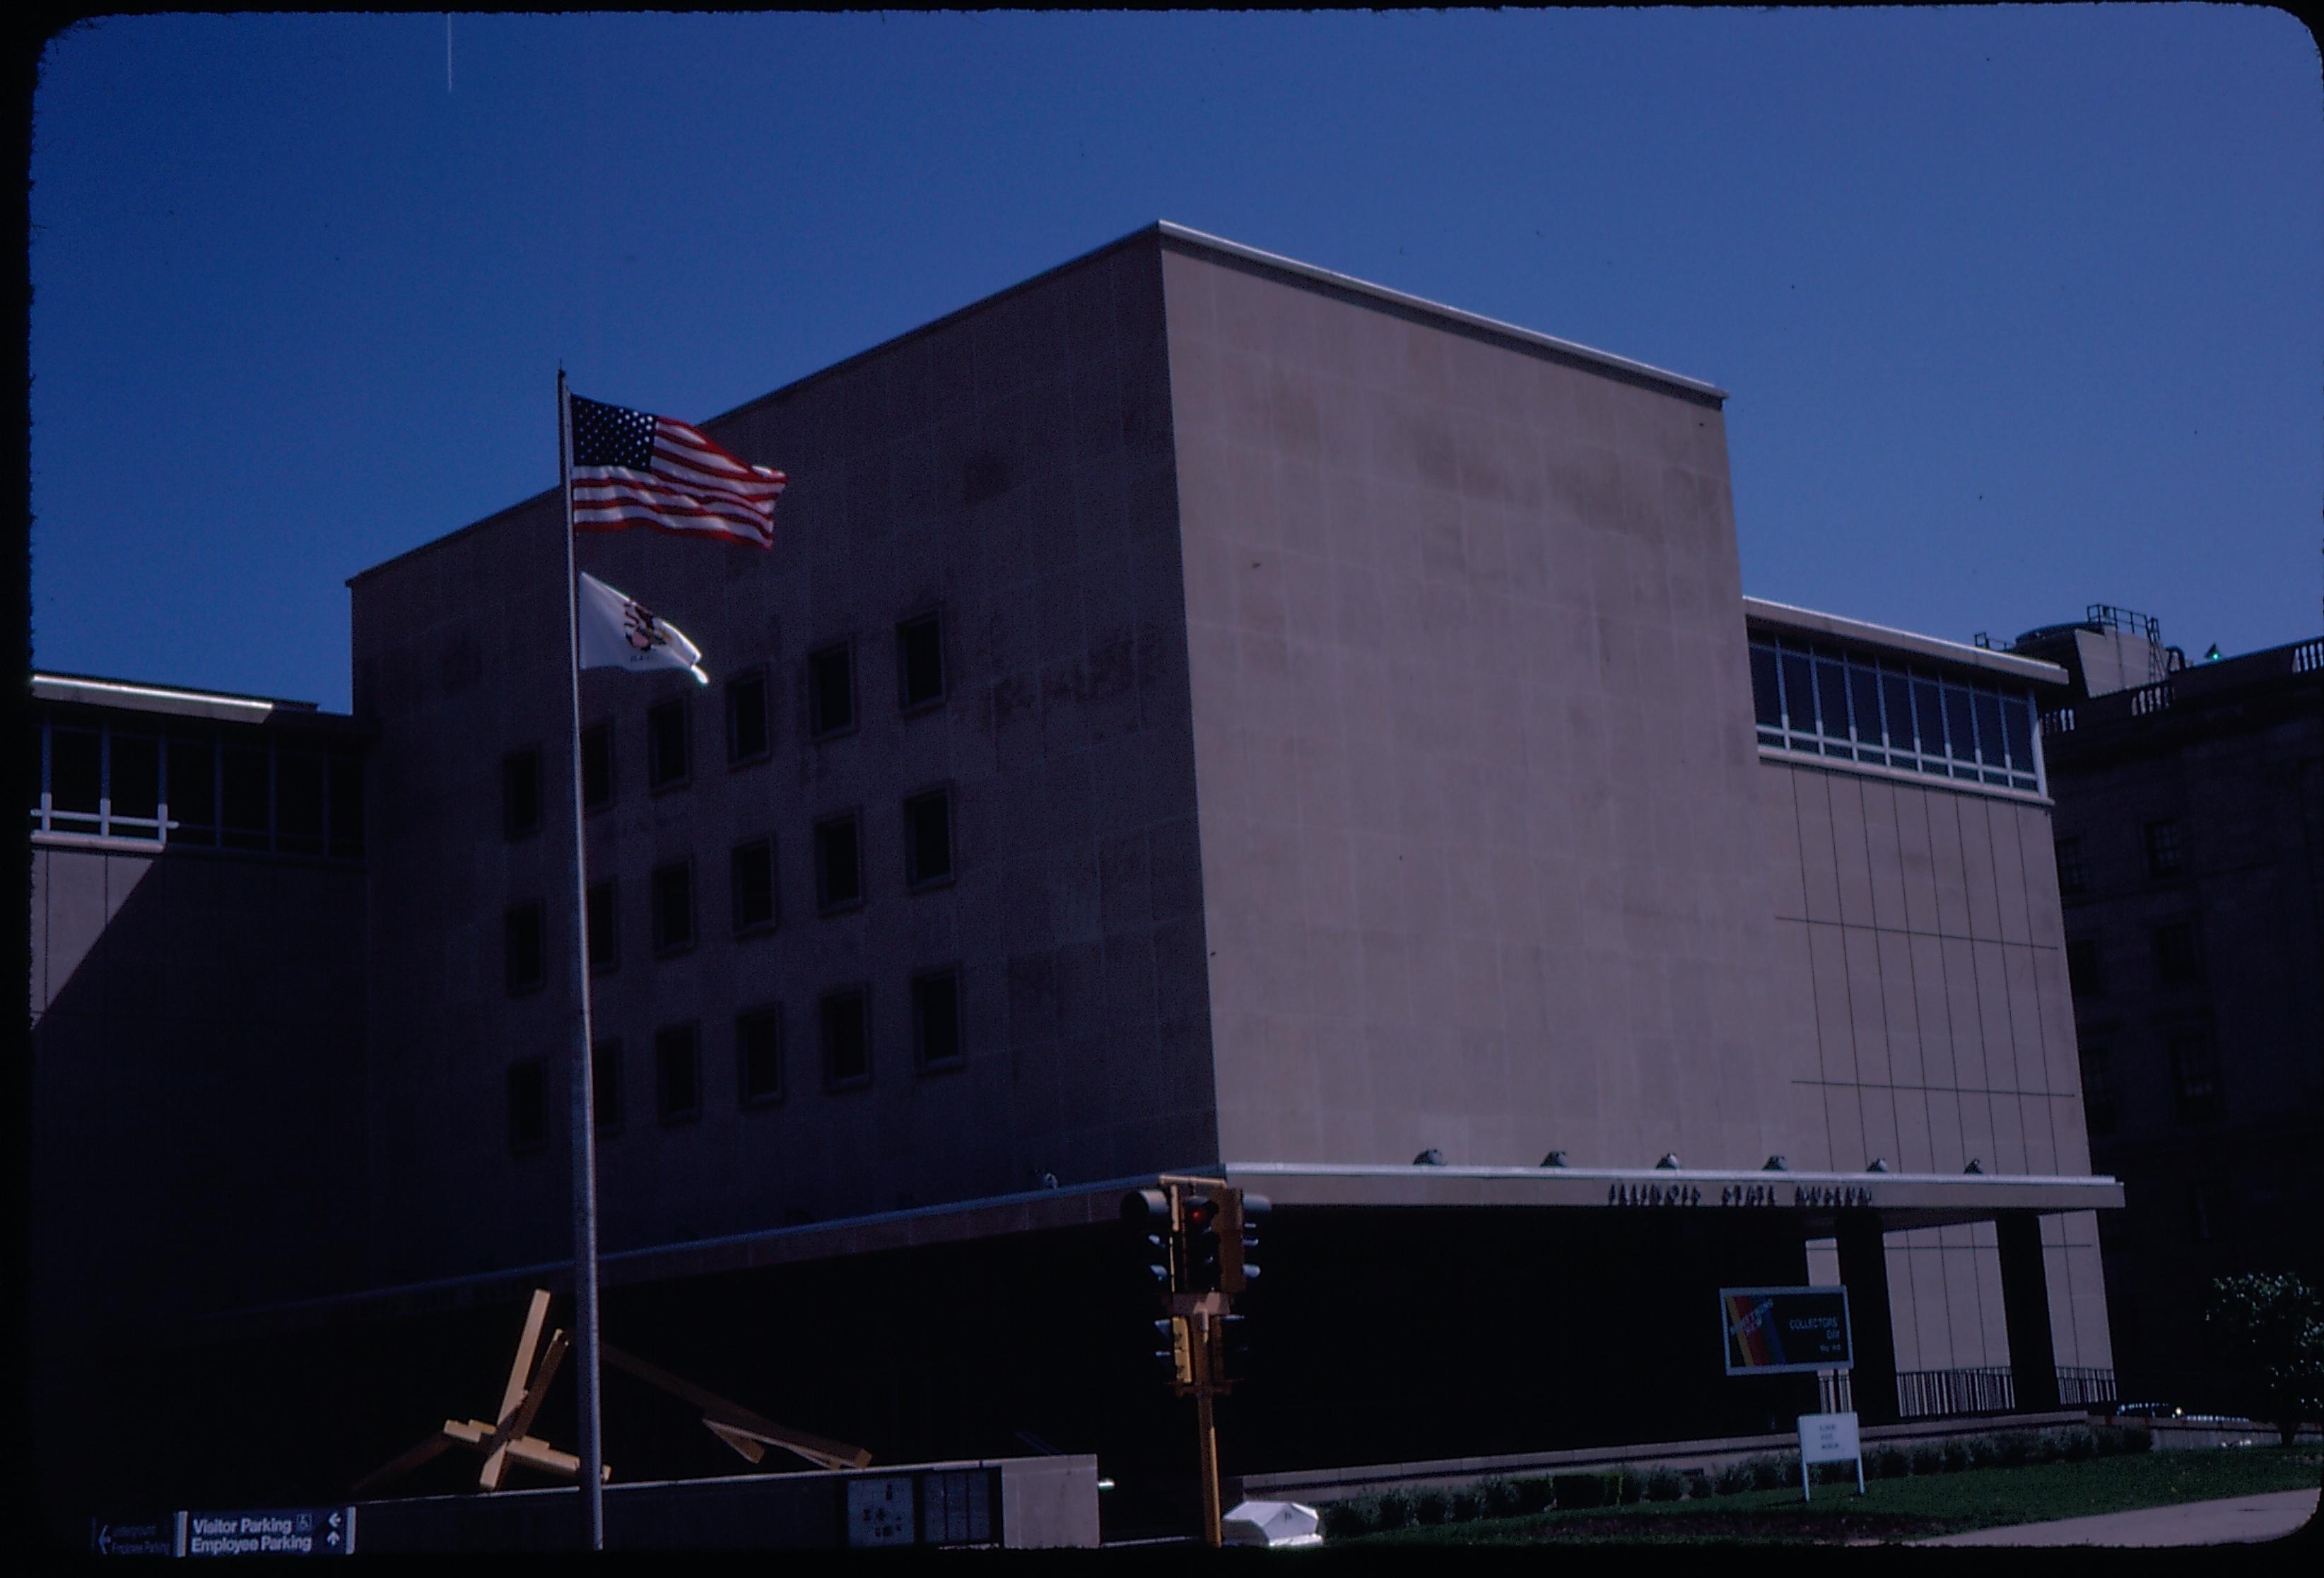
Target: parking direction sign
(291, 1531)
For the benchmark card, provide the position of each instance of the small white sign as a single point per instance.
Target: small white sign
(1828, 1438)
(879, 1511)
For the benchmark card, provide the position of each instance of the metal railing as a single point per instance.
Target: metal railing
(1925, 1394)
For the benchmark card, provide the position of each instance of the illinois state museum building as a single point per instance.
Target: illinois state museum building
(1201, 714)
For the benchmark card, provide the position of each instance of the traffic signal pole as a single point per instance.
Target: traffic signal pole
(1207, 1436)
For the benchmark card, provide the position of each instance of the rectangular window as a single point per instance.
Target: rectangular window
(1767, 694)
(2017, 733)
(606, 1084)
(666, 763)
(927, 838)
(604, 927)
(2162, 852)
(520, 792)
(346, 805)
(244, 780)
(935, 1018)
(1928, 719)
(1897, 699)
(2097, 1091)
(1863, 697)
(76, 779)
(1832, 701)
(1960, 730)
(830, 691)
(193, 791)
(846, 1036)
(2083, 971)
(919, 661)
(1989, 748)
(746, 717)
(2194, 1079)
(298, 802)
(133, 784)
(838, 868)
(758, 1056)
(678, 1074)
(528, 1105)
(2177, 956)
(1798, 693)
(597, 766)
(2072, 877)
(673, 908)
(752, 877)
(523, 952)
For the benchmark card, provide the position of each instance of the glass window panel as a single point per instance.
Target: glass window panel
(1832, 698)
(1928, 717)
(1960, 729)
(192, 789)
(2018, 730)
(135, 776)
(1896, 697)
(1989, 728)
(299, 802)
(1863, 695)
(241, 771)
(1766, 693)
(346, 805)
(75, 771)
(1799, 694)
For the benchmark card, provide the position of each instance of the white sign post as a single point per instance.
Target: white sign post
(1828, 1438)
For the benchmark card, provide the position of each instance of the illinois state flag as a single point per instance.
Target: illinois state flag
(619, 632)
(633, 469)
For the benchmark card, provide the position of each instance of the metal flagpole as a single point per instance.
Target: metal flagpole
(584, 1117)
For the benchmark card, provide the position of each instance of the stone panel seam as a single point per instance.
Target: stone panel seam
(1937, 1089)
(1908, 931)
(1814, 997)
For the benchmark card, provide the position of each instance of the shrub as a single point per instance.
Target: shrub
(1888, 1462)
(1770, 1470)
(1958, 1454)
(1346, 1520)
(1431, 1506)
(2080, 1444)
(1584, 1490)
(1395, 1508)
(1467, 1505)
(1928, 1457)
(1664, 1485)
(2009, 1451)
(1698, 1485)
(1628, 1487)
(1733, 1478)
(1500, 1497)
(1536, 1494)
(2136, 1438)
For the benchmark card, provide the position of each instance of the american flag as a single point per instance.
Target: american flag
(631, 468)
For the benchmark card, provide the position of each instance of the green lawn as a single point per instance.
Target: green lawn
(1905, 1509)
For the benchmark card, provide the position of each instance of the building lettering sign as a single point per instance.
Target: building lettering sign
(303, 1531)
(1783, 1331)
(1811, 1196)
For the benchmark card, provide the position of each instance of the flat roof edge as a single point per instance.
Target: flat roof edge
(1421, 304)
(1842, 627)
(96, 691)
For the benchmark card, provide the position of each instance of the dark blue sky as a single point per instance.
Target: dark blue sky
(2020, 308)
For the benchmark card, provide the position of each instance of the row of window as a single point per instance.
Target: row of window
(830, 712)
(1830, 702)
(750, 890)
(2194, 1082)
(844, 1030)
(184, 785)
(2178, 950)
(2167, 855)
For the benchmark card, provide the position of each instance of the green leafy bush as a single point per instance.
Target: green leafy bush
(2080, 1444)
(1928, 1457)
(1346, 1520)
(1628, 1487)
(1698, 1486)
(1733, 1478)
(1887, 1461)
(1500, 1497)
(1432, 1507)
(1958, 1454)
(1467, 1505)
(2266, 1332)
(1664, 1485)
(1395, 1508)
(1536, 1494)
(1584, 1490)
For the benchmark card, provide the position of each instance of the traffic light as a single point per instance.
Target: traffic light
(1147, 1213)
(1245, 1267)
(1173, 1357)
(1205, 1247)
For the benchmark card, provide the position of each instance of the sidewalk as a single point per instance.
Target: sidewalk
(2237, 1520)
